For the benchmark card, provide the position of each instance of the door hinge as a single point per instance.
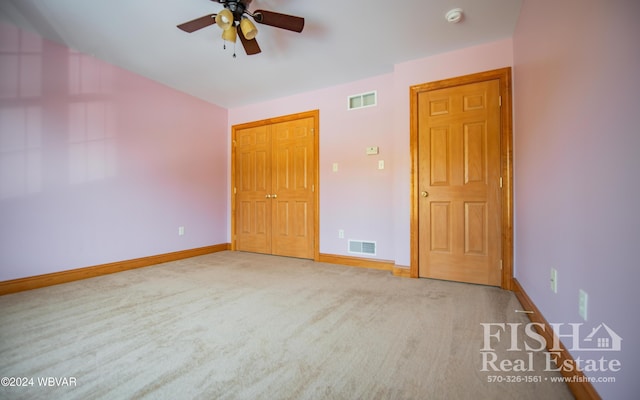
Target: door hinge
(500, 101)
(500, 265)
(235, 191)
(234, 142)
(500, 182)
(313, 188)
(313, 131)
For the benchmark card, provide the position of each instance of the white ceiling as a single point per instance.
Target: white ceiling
(342, 41)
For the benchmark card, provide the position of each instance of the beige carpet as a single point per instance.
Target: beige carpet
(234, 325)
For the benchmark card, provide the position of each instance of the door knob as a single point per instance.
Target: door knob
(275, 196)
(268, 196)
(424, 194)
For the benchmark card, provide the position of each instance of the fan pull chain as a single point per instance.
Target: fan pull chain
(224, 47)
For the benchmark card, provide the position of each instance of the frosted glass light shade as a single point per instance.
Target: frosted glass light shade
(249, 30)
(224, 19)
(230, 34)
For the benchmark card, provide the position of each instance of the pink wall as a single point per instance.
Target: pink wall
(357, 197)
(576, 168)
(467, 61)
(94, 126)
(368, 203)
(100, 165)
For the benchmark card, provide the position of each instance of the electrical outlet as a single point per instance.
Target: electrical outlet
(554, 280)
(334, 168)
(380, 164)
(340, 233)
(582, 304)
(180, 230)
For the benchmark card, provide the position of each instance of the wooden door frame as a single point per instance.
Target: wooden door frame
(506, 163)
(315, 114)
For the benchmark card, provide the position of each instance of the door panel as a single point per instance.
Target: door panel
(293, 146)
(475, 219)
(475, 163)
(274, 183)
(458, 174)
(253, 176)
(440, 226)
(439, 151)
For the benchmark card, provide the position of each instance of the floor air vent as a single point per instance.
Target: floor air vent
(362, 247)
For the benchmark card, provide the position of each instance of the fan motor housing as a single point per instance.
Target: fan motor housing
(236, 7)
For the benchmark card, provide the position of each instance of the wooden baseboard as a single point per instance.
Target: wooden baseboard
(402, 272)
(384, 265)
(359, 262)
(580, 387)
(55, 278)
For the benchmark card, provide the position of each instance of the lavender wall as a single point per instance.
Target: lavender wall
(100, 165)
(486, 57)
(356, 198)
(368, 203)
(80, 136)
(576, 168)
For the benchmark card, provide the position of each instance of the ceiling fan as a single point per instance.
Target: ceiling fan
(234, 23)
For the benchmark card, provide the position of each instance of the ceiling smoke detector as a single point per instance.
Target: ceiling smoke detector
(454, 16)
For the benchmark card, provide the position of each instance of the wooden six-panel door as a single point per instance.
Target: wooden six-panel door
(274, 187)
(252, 189)
(459, 210)
(293, 188)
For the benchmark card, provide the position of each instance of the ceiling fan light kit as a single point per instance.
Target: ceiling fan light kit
(233, 22)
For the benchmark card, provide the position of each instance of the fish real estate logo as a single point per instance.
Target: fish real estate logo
(600, 345)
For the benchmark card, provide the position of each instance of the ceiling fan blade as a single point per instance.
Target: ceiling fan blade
(250, 46)
(198, 23)
(284, 21)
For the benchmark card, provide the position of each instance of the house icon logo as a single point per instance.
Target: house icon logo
(602, 338)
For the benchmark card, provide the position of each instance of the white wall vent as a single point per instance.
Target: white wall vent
(362, 100)
(362, 247)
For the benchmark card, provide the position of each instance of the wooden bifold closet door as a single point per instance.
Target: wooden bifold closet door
(274, 186)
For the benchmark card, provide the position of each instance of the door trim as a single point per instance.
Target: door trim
(506, 161)
(315, 114)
